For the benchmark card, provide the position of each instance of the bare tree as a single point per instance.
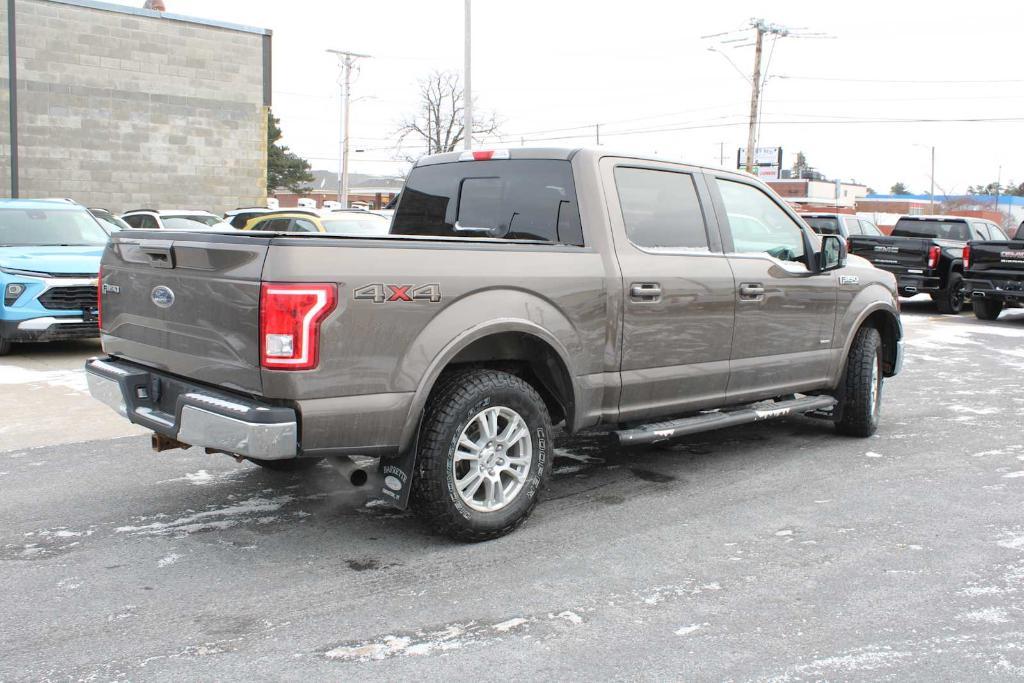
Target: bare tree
(438, 125)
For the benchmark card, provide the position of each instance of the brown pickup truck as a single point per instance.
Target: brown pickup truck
(516, 290)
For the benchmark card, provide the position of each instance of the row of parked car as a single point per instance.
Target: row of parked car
(50, 253)
(956, 260)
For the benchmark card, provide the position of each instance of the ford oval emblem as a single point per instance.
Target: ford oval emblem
(162, 296)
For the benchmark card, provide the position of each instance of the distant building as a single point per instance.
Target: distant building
(123, 107)
(885, 209)
(819, 195)
(371, 192)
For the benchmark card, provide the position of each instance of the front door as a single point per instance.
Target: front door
(679, 308)
(785, 313)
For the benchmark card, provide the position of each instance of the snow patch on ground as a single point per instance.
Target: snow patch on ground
(67, 379)
(1014, 475)
(687, 630)
(872, 454)
(1015, 543)
(989, 615)
(220, 518)
(168, 560)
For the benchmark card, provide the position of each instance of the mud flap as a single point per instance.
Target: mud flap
(396, 474)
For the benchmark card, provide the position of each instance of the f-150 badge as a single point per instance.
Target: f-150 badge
(849, 280)
(384, 294)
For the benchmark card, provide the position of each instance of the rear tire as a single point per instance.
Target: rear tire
(951, 299)
(860, 391)
(987, 309)
(484, 455)
(5, 347)
(289, 465)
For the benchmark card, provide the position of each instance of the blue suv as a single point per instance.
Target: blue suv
(49, 260)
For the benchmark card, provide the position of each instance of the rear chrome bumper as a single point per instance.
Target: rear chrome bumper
(193, 414)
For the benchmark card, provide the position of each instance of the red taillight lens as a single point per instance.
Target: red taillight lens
(290, 317)
(933, 256)
(967, 257)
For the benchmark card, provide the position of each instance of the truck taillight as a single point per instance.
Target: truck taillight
(290, 317)
(967, 257)
(484, 155)
(933, 256)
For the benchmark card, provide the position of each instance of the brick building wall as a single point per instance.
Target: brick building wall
(123, 108)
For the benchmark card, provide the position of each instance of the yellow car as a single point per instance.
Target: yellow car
(356, 223)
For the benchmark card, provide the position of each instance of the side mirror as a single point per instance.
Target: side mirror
(833, 253)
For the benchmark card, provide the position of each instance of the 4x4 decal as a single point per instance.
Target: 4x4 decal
(382, 294)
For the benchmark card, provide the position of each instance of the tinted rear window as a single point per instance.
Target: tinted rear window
(946, 230)
(823, 225)
(515, 199)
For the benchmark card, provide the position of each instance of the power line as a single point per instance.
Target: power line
(918, 81)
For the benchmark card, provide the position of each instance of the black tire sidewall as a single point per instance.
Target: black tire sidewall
(536, 420)
(947, 302)
(986, 309)
(858, 418)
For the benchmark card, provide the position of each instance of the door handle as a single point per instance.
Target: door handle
(751, 291)
(645, 291)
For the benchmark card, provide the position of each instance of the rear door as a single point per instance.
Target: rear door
(678, 289)
(187, 304)
(785, 314)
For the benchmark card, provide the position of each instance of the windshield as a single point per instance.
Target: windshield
(46, 227)
(938, 229)
(823, 225)
(189, 222)
(368, 224)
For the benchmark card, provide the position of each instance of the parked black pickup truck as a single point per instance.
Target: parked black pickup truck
(925, 253)
(994, 273)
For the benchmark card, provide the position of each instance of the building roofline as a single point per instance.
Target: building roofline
(153, 14)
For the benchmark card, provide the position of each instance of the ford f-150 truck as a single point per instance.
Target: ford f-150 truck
(994, 276)
(517, 289)
(925, 253)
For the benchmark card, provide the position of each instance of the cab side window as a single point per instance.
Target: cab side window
(660, 209)
(869, 228)
(302, 225)
(997, 233)
(853, 227)
(759, 225)
(134, 220)
(979, 231)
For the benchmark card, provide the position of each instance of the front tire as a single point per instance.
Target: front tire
(5, 347)
(950, 300)
(484, 455)
(860, 391)
(987, 309)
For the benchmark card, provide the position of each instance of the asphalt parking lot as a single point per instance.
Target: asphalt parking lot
(779, 552)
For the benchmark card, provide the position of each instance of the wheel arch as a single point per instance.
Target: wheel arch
(516, 345)
(886, 320)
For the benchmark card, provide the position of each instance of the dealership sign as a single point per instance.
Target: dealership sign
(767, 161)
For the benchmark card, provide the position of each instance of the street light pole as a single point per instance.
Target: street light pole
(467, 76)
(932, 195)
(348, 60)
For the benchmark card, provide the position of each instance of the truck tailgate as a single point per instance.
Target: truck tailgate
(185, 303)
(997, 259)
(894, 254)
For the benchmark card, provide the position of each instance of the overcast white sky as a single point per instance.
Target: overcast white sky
(557, 64)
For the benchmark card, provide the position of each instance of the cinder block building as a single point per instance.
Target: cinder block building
(123, 108)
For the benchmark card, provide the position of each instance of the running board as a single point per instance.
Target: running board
(661, 431)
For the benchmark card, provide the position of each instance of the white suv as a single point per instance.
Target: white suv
(149, 219)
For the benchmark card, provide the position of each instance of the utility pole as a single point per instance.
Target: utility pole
(347, 60)
(468, 78)
(755, 94)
